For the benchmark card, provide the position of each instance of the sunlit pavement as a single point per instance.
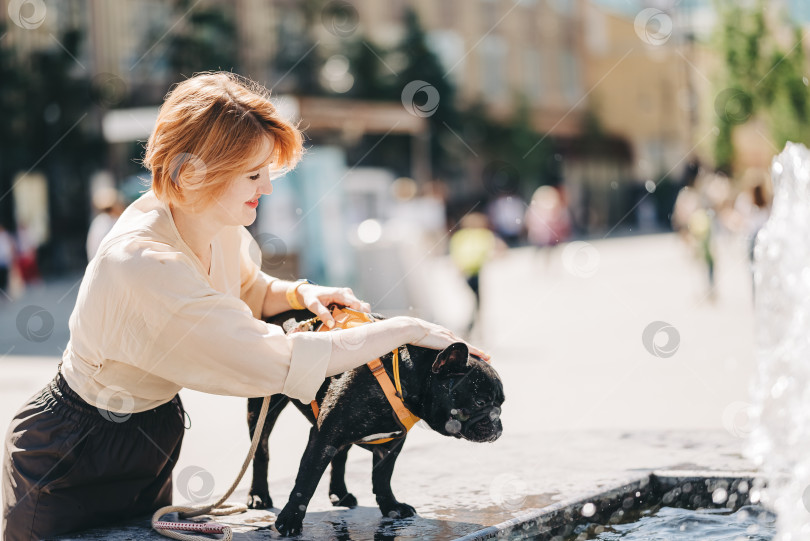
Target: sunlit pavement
(588, 403)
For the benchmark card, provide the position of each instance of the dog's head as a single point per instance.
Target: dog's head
(463, 396)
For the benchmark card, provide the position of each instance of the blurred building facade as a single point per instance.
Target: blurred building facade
(551, 52)
(498, 51)
(619, 105)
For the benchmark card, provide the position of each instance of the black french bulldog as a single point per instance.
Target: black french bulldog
(457, 394)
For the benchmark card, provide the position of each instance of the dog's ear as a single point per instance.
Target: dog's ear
(452, 359)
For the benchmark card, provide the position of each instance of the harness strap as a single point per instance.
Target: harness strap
(393, 395)
(347, 319)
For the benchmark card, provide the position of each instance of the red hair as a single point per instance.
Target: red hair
(209, 129)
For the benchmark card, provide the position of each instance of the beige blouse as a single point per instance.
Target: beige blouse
(149, 320)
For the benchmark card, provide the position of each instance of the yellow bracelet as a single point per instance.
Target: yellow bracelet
(292, 294)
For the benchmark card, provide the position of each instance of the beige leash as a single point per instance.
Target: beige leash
(215, 509)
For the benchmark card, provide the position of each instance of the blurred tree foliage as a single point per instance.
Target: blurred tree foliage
(510, 155)
(47, 105)
(298, 61)
(761, 77)
(376, 79)
(13, 112)
(205, 41)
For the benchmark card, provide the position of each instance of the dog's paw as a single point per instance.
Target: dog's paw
(347, 500)
(397, 509)
(259, 500)
(290, 521)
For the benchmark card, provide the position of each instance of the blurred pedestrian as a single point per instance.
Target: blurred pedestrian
(107, 202)
(27, 256)
(506, 216)
(547, 219)
(175, 297)
(692, 218)
(7, 251)
(471, 246)
(753, 210)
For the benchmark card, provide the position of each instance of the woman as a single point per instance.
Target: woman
(171, 300)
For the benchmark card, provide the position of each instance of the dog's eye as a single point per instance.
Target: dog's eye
(480, 403)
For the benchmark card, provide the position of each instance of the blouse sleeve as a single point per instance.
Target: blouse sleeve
(254, 281)
(200, 338)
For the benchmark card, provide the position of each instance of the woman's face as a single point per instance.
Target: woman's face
(237, 206)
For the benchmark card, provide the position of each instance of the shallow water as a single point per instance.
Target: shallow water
(753, 523)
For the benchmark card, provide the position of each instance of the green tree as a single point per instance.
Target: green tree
(15, 114)
(374, 80)
(761, 78)
(46, 102)
(299, 61)
(206, 41)
(423, 65)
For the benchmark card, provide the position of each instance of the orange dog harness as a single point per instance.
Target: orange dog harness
(346, 318)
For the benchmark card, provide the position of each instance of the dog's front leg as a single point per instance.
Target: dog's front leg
(338, 493)
(316, 457)
(385, 456)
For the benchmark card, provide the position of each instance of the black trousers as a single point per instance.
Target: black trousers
(69, 465)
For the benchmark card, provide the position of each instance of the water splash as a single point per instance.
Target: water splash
(779, 443)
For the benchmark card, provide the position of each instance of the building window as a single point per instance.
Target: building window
(533, 79)
(489, 15)
(448, 45)
(398, 8)
(448, 13)
(493, 67)
(570, 76)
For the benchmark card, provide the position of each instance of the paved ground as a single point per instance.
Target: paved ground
(588, 399)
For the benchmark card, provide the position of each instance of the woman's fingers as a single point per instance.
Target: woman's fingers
(343, 296)
(323, 313)
(438, 337)
(357, 305)
(347, 298)
(478, 352)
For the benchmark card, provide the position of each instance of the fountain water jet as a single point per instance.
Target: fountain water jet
(779, 443)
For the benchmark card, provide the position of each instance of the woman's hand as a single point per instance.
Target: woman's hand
(437, 337)
(316, 298)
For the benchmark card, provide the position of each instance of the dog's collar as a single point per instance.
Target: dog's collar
(346, 318)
